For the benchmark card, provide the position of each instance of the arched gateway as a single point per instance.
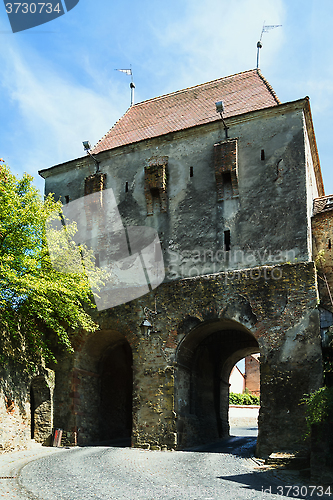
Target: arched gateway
(205, 359)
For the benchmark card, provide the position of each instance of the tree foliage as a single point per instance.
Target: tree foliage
(37, 302)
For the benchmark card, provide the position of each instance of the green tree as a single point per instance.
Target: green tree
(40, 307)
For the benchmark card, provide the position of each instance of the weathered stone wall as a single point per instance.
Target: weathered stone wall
(265, 212)
(26, 409)
(203, 326)
(14, 411)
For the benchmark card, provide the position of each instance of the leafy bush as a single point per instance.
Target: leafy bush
(319, 406)
(243, 399)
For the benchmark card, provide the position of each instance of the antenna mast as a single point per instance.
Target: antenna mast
(265, 29)
(132, 85)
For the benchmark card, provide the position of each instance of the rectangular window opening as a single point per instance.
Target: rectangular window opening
(227, 240)
(262, 154)
(126, 187)
(66, 199)
(329, 244)
(226, 178)
(191, 171)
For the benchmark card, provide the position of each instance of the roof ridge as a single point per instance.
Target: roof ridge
(186, 89)
(269, 86)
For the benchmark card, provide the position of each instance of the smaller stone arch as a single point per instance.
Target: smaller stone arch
(41, 407)
(102, 388)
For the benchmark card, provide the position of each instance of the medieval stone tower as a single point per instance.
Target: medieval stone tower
(231, 202)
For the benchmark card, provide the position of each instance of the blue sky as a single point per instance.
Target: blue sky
(59, 86)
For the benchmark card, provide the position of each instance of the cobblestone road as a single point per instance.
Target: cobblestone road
(108, 473)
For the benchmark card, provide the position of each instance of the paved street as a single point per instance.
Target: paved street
(223, 470)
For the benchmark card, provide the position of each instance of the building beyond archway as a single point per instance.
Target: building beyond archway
(205, 359)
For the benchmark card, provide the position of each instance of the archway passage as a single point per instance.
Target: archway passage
(205, 360)
(116, 386)
(102, 388)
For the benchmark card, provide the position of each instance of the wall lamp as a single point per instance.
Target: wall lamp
(87, 148)
(147, 326)
(219, 109)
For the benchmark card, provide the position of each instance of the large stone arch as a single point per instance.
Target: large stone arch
(205, 358)
(102, 384)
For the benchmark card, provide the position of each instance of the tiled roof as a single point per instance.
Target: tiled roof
(323, 204)
(240, 93)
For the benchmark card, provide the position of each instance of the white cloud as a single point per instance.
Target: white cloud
(54, 115)
(217, 38)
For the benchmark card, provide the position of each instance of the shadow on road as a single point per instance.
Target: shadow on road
(242, 442)
(115, 443)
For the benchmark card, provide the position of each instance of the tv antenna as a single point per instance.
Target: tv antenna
(132, 85)
(265, 29)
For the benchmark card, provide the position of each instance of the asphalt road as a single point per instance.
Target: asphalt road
(223, 470)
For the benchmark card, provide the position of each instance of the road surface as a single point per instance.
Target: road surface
(223, 470)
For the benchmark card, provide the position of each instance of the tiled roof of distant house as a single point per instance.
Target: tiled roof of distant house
(323, 204)
(240, 93)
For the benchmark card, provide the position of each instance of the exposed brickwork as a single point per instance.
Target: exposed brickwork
(94, 183)
(156, 183)
(225, 161)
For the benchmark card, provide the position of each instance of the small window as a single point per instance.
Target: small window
(227, 240)
(191, 171)
(329, 244)
(262, 154)
(66, 199)
(126, 187)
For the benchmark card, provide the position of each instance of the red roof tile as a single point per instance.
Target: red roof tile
(240, 93)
